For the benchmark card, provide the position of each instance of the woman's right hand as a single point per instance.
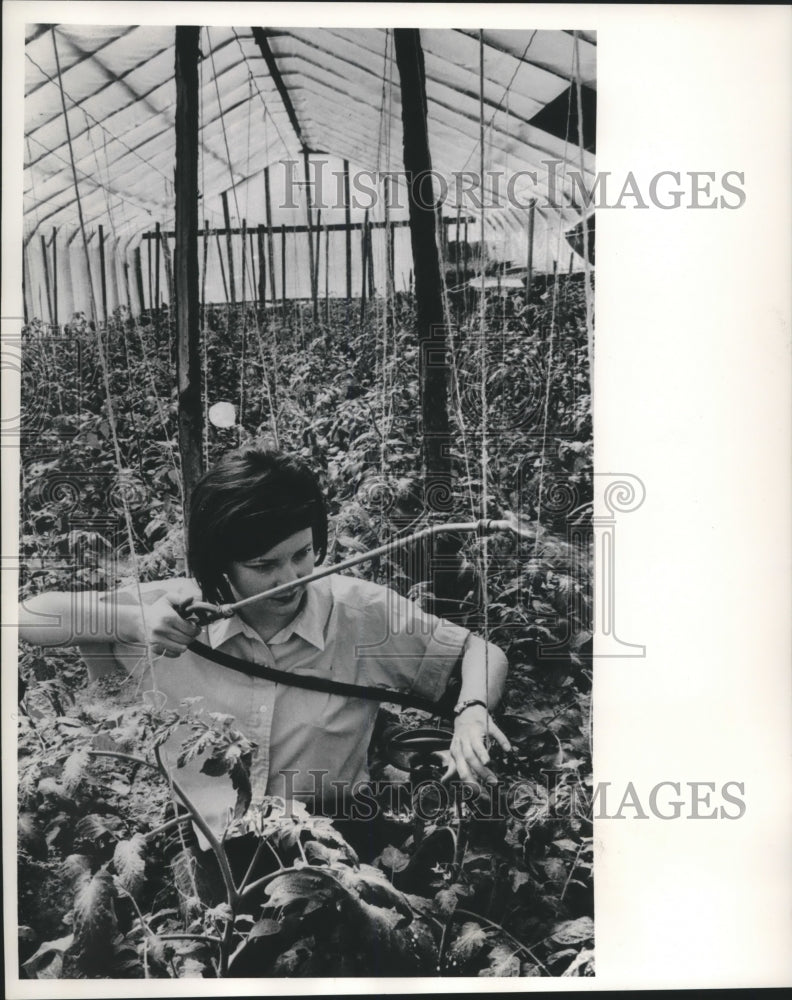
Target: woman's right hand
(160, 626)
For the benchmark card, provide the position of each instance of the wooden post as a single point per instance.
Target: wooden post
(150, 278)
(46, 277)
(348, 221)
(327, 277)
(243, 339)
(55, 278)
(138, 263)
(244, 262)
(529, 265)
(270, 238)
(283, 270)
(309, 216)
(188, 355)
(391, 285)
(229, 249)
(253, 256)
(392, 256)
(103, 273)
(363, 266)
(370, 258)
(157, 269)
(262, 283)
(168, 265)
(458, 245)
(127, 289)
(203, 272)
(318, 249)
(222, 266)
(428, 279)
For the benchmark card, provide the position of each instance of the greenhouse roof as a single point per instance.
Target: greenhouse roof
(267, 95)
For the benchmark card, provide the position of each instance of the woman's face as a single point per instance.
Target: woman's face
(290, 560)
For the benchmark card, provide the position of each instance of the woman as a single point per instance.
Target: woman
(258, 520)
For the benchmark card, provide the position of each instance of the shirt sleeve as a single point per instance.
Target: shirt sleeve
(401, 646)
(103, 658)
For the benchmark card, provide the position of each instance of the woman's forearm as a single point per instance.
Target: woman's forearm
(66, 618)
(484, 668)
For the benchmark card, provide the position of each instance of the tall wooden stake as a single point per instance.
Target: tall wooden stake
(157, 269)
(262, 283)
(318, 250)
(370, 257)
(270, 238)
(229, 248)
(46, 277)
(222, 266)
(283, 270)
(150, 287)
(203, 271)
(327, 277)
(529, 266)
(188, 354)
(168, 266)
(309, 217)
(103, 272)
(55, 278)
(138, 262)
(244, 262)
(363, 265)
(458, 247)
(428, 279)
(348, 232)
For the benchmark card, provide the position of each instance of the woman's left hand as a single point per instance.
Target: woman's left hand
(469, 753)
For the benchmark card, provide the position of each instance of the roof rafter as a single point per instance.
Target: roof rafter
(260, 35)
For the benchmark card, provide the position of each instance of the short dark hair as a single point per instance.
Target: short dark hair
(250, 501)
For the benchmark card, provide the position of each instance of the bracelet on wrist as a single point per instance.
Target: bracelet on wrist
(468, 703)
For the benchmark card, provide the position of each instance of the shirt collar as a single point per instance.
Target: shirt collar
(308, 624)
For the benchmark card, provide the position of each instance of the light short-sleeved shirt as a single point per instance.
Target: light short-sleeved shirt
(347, 629)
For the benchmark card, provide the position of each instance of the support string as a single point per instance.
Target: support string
(483, 387)
(105, 373)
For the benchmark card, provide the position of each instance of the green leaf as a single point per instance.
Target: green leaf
(394, 859)
(76, 868)
(466, 945)
(130, 863)
(191, 968)
(30, 837)
(93, 827)
(264, 928)
(574, 931)
(94, 915)
(565, 844)
(289, 961)
(581, 965)
(518, 879)
(293, 886)
(446, 901)
(503, 962)
(322, 854)
(47, 962)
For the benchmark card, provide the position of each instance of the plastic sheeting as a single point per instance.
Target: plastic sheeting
(119, 91)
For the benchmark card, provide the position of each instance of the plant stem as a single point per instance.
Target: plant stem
(502, 930)
(203, 826)
(123, 756)
(208, 938)
(167, 826)
(266, 879)
(256, 855)
(571, 873)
